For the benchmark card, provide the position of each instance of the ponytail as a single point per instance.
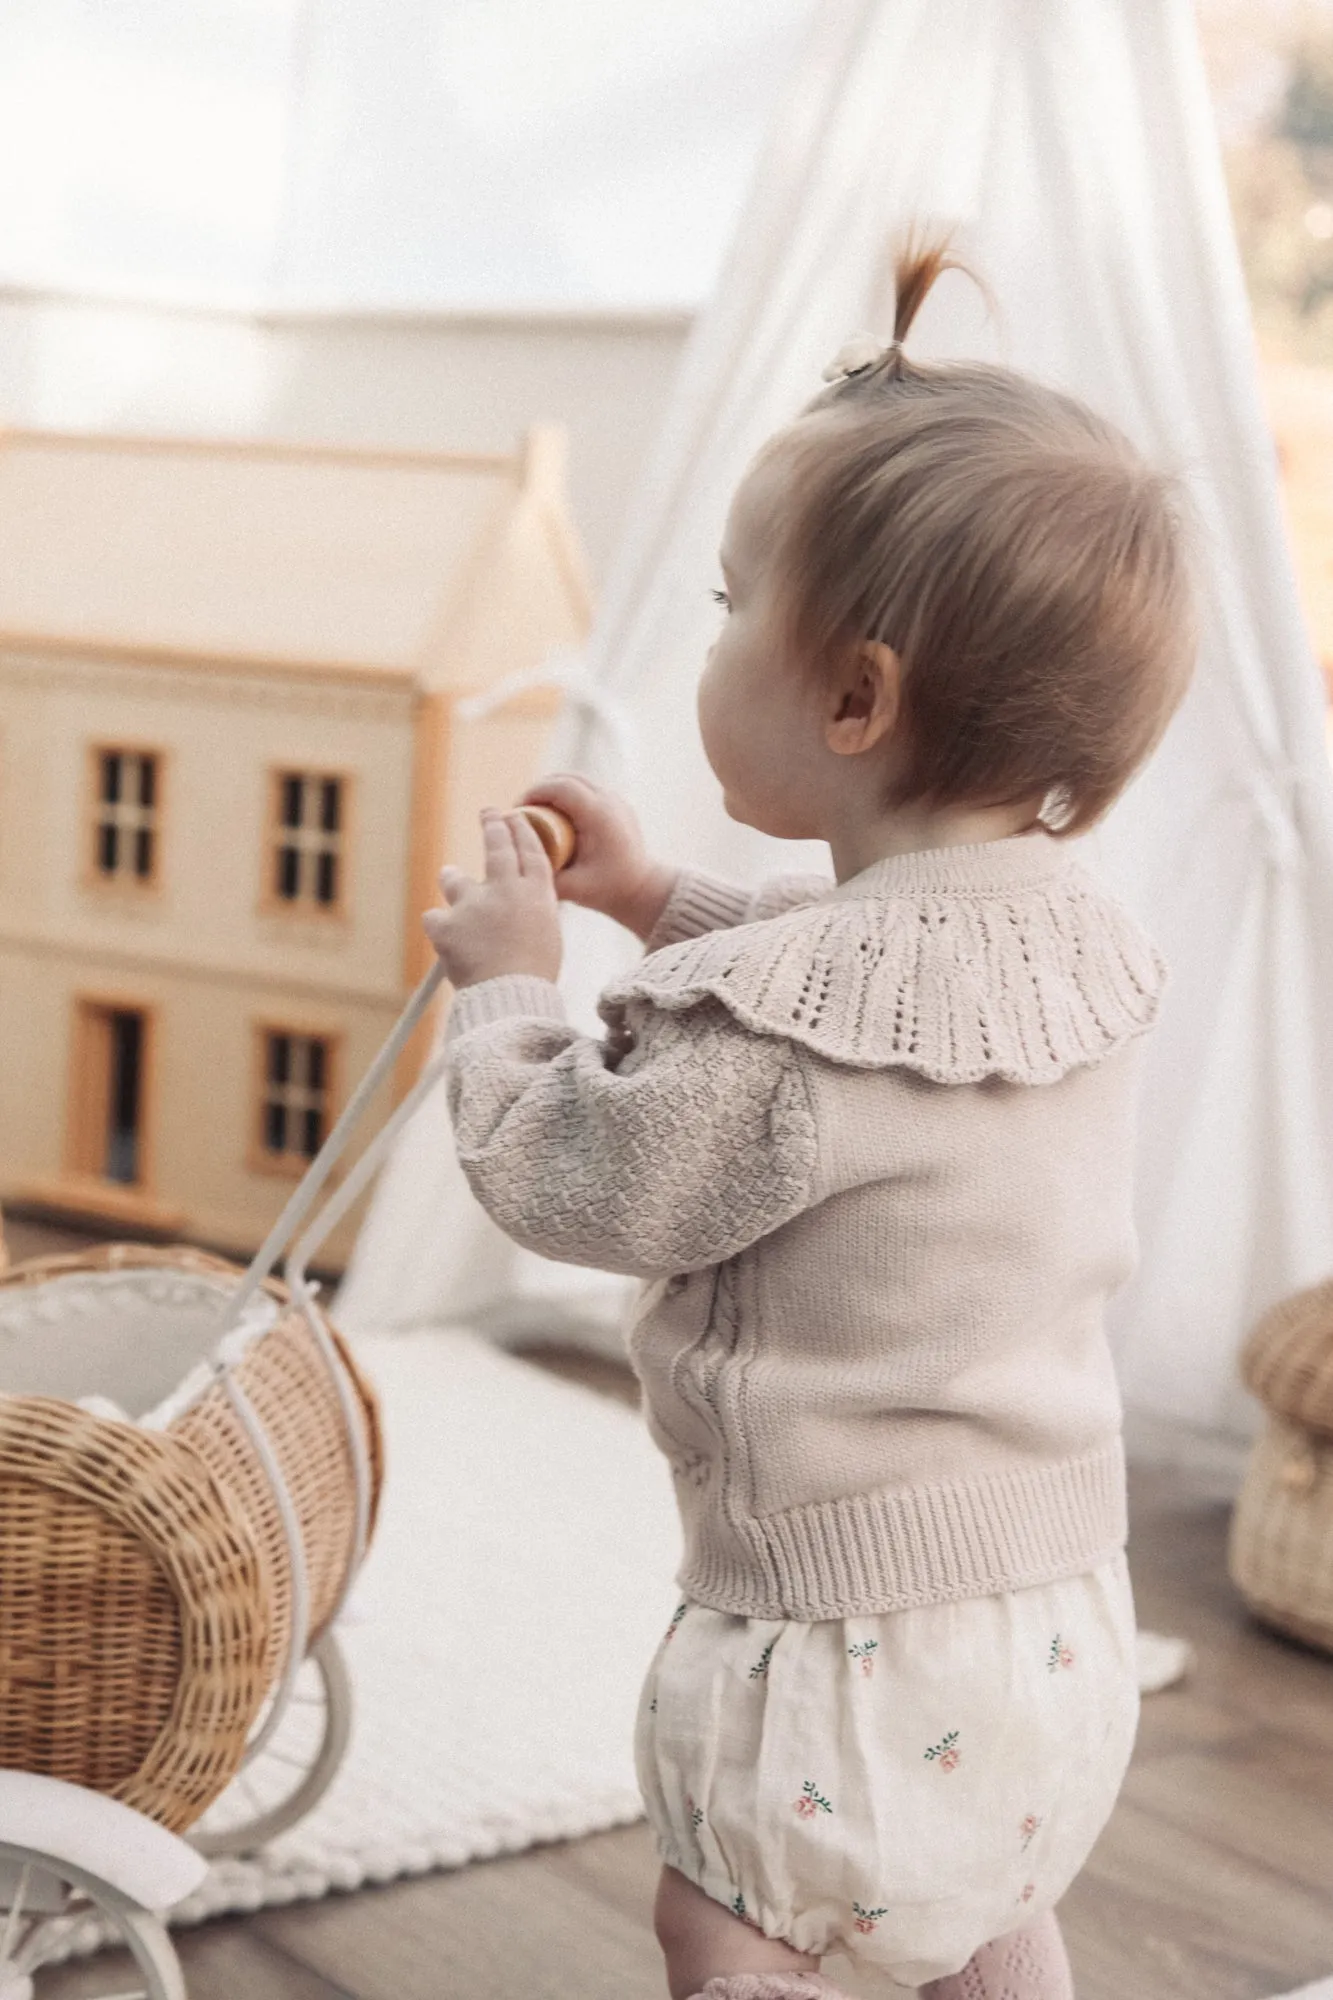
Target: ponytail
(919, 263)
(922, 258)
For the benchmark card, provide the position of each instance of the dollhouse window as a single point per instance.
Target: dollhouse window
(309, 822)
(128, 787)
(109, 1090)
(295, 1094)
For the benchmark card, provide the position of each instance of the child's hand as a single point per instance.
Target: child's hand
(612, 870)
(508, 923)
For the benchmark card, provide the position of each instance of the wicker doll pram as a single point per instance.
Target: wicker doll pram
(190, 1468)
(116, 1531)
(1280, 1548)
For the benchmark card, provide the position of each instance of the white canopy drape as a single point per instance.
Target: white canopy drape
(1072, 141)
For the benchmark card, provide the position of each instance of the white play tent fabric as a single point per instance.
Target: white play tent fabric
(1072, 140)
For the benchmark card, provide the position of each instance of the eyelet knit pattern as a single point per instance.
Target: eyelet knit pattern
(1023, 969)
(1030, 1964)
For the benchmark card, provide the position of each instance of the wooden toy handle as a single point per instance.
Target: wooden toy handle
(555, 832)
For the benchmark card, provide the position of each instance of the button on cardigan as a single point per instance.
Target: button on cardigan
(869, 1147)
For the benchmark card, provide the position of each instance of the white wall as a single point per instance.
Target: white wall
(447, 380)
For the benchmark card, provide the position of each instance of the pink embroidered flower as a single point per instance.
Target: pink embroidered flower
(1027, 1892)
(811, 1801)
(867, 1919)
(1060, 1655)
(949, 1760)
(676, 1617)
(1028, 1827)
(864, 1654)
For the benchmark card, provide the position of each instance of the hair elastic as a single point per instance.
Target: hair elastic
(862, 352)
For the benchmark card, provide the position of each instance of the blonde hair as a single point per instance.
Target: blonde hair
(1027, 566)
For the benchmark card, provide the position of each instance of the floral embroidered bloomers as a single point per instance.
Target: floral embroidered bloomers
(869, 1146)
(900, 1788)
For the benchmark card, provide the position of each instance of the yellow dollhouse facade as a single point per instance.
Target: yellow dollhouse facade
(230, 768)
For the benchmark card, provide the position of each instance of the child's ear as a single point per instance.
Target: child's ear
(863, 699)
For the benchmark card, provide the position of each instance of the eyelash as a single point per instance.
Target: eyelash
(720, 597)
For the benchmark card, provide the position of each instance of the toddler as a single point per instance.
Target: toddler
(867, 1142)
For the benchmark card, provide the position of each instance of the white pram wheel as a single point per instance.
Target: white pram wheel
(45, 1903)
(79, 1870)
(292, 1770)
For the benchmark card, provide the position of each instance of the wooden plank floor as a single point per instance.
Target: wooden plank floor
(1213, 1880)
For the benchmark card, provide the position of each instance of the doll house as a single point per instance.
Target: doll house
(231, 765)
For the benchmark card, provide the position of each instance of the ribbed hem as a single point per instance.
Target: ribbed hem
(500, 999)
(699, 902)
(888, 1551)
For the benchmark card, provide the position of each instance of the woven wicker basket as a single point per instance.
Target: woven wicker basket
(1280, 1549)
(147, 1608)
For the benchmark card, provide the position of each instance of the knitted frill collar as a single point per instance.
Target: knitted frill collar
(1002, 958)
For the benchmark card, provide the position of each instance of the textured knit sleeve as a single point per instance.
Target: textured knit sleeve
(665, 1147)
(702, 902)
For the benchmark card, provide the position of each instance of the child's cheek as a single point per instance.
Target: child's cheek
(708, 707)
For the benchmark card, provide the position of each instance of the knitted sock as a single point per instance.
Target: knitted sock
(770, 1986)
(1030, 1964)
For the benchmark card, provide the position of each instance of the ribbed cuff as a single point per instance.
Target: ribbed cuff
(699, 902)
(503, 998)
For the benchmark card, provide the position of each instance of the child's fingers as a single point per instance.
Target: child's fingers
(501, 854)
(533, 859)
(452, 883)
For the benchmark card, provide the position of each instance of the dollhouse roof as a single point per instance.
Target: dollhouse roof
(443, 568)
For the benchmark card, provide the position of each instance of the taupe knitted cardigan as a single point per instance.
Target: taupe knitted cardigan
(870, 1147)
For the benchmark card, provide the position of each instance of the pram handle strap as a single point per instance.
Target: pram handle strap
(346, 1195)
(303, 1196)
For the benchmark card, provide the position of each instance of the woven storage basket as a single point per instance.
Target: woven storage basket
(1280, 1548)
(146, 1611)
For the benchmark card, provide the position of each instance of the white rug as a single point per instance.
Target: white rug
(520, 1580)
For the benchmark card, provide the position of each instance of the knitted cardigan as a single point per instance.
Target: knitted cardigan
(869, 1146)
